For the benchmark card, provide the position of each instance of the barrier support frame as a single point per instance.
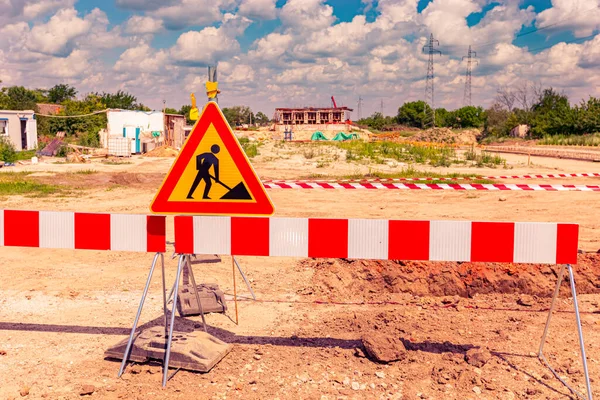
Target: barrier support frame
(169, 327)
(141, 306)
(541, 356)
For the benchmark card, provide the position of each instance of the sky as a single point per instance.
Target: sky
(296, 53)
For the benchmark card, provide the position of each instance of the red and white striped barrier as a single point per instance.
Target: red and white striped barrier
(457, 178)
(83, 231)
(428, 186)
(508, 242)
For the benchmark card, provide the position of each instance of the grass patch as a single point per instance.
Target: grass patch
(571, 140)
(251, 149)
(14, 175)
(25, 155)
(115, 162)
(484, 159)
(85, 172)
(405, 152)
(28, 188)
(113, 187)
(409, 172)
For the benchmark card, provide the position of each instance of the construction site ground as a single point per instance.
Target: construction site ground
(61, 309)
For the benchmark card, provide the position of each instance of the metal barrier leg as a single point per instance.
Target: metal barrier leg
(170, 338)
(244, 277)
(191, 272)
(580, 332)
(164, 292)
(137, 316)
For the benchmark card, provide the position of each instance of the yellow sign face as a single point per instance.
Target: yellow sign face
(212, 175)
(222, 175)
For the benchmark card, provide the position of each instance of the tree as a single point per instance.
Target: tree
(552, 114)
(121, 100)
(19, 98)
(86, 128)
(468, 117)
(262, 119)
(237, 115)
(496, 120)
(442, 117)
(506, 97)
(412, 113)
(527, 94)
(588, 116)
(169, 110)
(62, 92)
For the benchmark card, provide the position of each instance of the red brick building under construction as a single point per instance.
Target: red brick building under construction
(312, 116)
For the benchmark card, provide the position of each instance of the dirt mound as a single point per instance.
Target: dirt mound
(163, 151)
(357, 280)
(448, 136)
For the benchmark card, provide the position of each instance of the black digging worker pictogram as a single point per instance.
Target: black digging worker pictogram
(204, 162)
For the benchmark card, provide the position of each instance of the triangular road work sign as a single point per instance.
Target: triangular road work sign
(212, 175)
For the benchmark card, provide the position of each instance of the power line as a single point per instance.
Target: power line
(467, 94)
(429, 119)
(583, 39)
(573, 15)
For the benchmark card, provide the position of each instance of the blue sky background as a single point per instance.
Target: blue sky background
(300, 52)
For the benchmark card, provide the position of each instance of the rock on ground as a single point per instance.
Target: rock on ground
(478, 357)
(87, 390)
(384, 348)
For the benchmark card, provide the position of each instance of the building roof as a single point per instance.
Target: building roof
(16, 112)
(344, 108)
(49, 109)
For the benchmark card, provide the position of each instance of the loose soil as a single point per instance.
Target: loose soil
(458, 331)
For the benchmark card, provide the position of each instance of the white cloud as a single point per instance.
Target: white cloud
(74, 66)
(143, 4)
(142, 58)
(504, 54)
(308, 15)
(13, 11)
(271, 47)
(205, 47)
(258, 9)
(184, 13)
(141, 25)
(100, 37)
(393, 12)
(231, 72)
(500, 24)
(590, 57)
(57, 36)
(302, 62)
(342, 38)
(581, 16)
(210, 45)
(36, 8)
(447, 19)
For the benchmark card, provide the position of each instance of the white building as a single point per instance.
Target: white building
(137, 126)
(20, 128)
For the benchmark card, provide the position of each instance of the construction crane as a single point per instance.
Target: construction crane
(333, 102)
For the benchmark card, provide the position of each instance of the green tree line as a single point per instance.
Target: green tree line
(545, 111)
(86, 129)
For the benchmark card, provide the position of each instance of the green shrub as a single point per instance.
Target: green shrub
(7, 151)
(89, 139)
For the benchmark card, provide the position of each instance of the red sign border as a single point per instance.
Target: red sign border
(211, 114)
